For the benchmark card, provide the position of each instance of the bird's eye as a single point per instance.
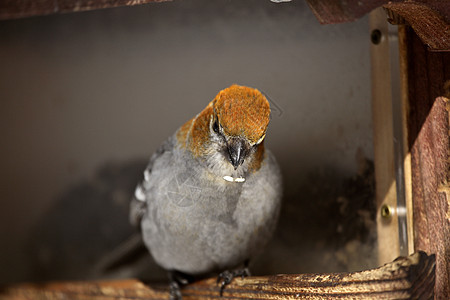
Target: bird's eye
(215, 127)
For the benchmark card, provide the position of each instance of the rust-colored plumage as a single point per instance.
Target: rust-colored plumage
(241, 111)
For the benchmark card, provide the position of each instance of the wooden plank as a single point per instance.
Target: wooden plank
(428, 138)
(338, 11)
(406, 278)
(383, 140)
(13, 9)
(429, 20)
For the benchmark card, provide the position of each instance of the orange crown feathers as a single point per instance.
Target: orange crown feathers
(242, 111)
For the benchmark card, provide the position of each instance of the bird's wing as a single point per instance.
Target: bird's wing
(138, 205)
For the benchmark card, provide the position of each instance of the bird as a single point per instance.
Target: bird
(211, 194)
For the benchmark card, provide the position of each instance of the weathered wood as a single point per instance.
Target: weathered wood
(405, 278)
(429, 19)
(338, 11)
(12, 9)
(428, 139)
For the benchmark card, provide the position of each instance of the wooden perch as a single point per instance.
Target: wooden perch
(405, 278)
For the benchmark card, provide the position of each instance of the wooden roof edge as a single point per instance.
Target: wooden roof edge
(430, 19)
(430, 24)
(16, 9)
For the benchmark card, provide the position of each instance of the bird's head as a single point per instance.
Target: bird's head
(231, 129)
(239, 122)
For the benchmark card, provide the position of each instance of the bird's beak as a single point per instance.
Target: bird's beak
(237, 149)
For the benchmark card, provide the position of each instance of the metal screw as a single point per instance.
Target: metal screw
(375, 36)
(386, 211)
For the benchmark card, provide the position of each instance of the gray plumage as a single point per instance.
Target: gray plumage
(195, 221)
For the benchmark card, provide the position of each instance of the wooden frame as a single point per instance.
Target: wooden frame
(411, 105)
(428, 75)
(423, 122)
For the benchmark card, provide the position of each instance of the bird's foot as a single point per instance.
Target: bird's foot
(226, 277)
(177, 281)
(175, 292)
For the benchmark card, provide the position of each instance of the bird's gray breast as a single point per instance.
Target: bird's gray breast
(198, 222)
(201, 195)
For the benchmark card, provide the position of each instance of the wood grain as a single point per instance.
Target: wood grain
(428, 140)
(13, 9)
(404, 278)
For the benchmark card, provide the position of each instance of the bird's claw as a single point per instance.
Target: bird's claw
(175, 292)
(177, 280)
(226, 277)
